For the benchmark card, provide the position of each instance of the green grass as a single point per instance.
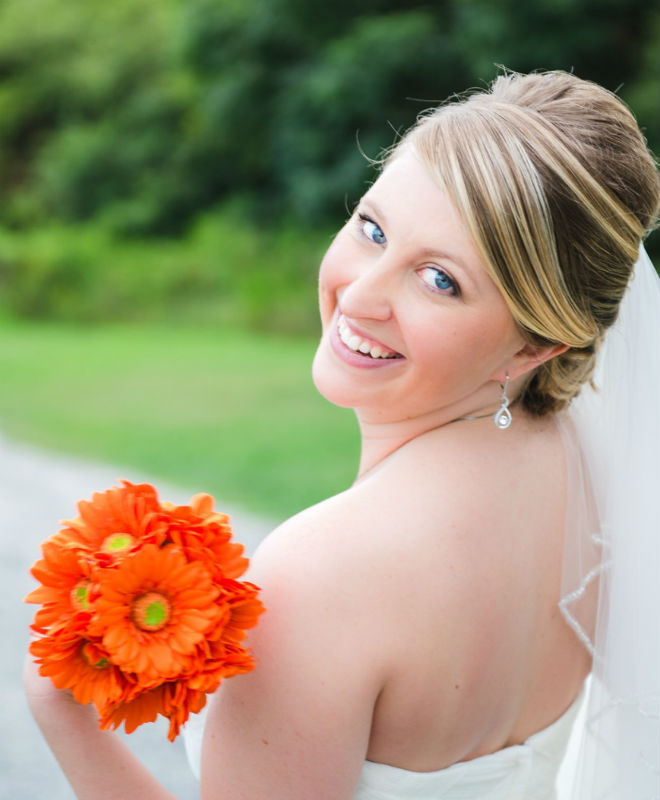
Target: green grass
(231, 413)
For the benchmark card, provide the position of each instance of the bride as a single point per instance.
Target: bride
(429, 630)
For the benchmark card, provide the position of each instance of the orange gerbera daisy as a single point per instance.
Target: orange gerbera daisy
(204, 535)
(221, 654)
(74, 663)
(142, 613)
(153, 610)
(174, 700)
(180, 701)
(66, 585)
(115, 522)
(143, 707)
(244, 607)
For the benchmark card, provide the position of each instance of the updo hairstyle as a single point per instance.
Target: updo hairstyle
(554, 181)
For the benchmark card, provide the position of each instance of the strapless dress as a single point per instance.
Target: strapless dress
(526, 771)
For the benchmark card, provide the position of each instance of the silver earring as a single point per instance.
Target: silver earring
(502, 417)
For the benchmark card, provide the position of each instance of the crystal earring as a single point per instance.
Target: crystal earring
(502, 417)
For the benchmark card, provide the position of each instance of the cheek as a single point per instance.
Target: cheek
(332, 276)
(327, 300)
(456, 346)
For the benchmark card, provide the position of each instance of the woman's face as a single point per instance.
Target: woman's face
(412, 322)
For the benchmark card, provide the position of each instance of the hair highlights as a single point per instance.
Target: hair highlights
(554, 180)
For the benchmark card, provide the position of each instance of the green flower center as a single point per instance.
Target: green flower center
(80, 596)
(117, 543)
(99, 663)
(151, 611)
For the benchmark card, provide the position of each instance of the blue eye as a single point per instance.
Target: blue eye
(438, 280)
(371, 230)
(442, 281)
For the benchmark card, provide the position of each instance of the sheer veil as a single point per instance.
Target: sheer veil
(612, 554)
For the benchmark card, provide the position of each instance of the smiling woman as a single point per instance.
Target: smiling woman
(429, 630)
(405, 275)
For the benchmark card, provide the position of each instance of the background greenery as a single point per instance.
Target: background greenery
(234, 414)
(181, 164)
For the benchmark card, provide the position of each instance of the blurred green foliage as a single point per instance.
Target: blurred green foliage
(126, 128)
(222, 271)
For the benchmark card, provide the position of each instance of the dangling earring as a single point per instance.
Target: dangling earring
(502, 417)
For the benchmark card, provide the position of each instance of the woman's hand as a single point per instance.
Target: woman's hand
(96, 763)
(40, 691)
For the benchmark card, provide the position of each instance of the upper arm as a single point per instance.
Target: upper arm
(298, 725)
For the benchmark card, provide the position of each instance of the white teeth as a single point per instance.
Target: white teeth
(355, 343)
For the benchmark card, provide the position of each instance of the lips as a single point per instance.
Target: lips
(358, 343)
(359, 350)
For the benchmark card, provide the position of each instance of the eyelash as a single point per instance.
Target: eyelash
(362, 219)
(453, 290)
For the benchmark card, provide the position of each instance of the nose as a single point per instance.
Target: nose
(369, 294)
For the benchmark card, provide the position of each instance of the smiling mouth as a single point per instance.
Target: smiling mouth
(362, 346)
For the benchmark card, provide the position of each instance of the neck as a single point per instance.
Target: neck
(382, 438)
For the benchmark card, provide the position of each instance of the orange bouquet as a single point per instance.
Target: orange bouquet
(141, 610)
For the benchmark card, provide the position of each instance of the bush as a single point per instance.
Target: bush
(223, 271)
(149, 113)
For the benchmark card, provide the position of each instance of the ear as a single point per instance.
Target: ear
(529, 358)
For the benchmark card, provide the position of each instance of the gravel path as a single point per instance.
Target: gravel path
(36, 491)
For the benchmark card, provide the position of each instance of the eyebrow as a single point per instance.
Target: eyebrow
(425, 252)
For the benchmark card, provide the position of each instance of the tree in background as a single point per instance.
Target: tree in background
(137, 118)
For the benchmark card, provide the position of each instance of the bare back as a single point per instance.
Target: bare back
(412, 620)
(479, 656)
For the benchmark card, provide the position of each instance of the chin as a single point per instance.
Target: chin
(328, 383)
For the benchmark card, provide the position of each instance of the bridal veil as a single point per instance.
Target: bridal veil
(612, 555)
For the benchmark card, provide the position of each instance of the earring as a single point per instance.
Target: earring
(502, 417)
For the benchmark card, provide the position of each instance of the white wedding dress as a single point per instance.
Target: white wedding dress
(526, 771)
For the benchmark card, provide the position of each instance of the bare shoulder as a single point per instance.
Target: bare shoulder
(479, 478)
(443, 495)
(325, 561)
(298, 725)
(448, 550)
(407, 546)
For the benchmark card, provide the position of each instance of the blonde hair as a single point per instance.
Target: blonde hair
(554, 180)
